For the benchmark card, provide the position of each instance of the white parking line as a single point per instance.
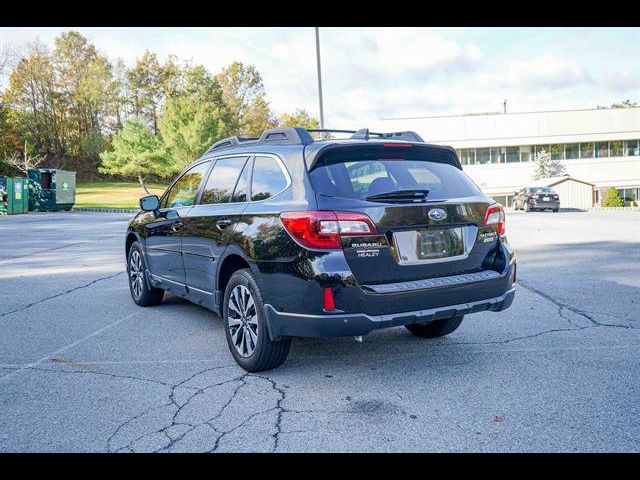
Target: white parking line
(445, 350)
(67, 347)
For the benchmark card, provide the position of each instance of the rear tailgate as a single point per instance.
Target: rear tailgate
(440, 233)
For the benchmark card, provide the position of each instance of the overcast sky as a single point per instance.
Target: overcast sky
(373, 73)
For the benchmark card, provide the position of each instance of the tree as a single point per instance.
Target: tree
(83, 82)
(58, 99)
(300, 118)
(25, 161)
(9, 56)
(194, 119)
(34, 107)
(624, 104)
(244, 95)
(257, 118)
(145, 81)
(137, 152)
(613, 199)
(545, 167)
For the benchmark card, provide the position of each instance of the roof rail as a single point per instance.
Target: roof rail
(286, 136)
(328, 130)
(300, 136)
(231, 142)
(281, 136)
(408, 136)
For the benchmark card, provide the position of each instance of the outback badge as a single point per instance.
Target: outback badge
(437, 214)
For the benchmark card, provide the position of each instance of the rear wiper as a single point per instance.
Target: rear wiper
(417, 195)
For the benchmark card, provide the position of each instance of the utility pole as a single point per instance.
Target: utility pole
(319, 79)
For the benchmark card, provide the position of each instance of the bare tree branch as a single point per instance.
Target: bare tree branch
(23, 162)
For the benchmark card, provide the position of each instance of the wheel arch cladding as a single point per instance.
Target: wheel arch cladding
(232, 263)
(131, 237)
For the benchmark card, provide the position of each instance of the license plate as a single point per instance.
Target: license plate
(429, 245)
(546, 199)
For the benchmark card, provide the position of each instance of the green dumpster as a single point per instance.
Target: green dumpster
(53, 190)
(17, 195)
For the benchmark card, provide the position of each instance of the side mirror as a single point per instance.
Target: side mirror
(150, 203)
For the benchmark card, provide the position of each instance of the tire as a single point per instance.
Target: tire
(556, 210)
(142, 293)
(246, 328)
(437, 328)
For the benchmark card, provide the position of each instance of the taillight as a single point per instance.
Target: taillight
(323, 229)
(328, 302)
(494, 217)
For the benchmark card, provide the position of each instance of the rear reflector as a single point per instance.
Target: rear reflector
(329, 302)
(323, 229)
(494, 217)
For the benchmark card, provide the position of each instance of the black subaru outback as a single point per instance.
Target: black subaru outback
(284, 236)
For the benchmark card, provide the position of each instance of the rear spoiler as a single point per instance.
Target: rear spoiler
(408, 151)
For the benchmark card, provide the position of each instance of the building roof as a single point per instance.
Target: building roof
(551, 181)
(523, 128)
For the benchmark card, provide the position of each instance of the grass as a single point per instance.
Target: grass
(113, 194)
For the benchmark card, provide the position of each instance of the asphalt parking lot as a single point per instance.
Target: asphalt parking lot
(84, 369)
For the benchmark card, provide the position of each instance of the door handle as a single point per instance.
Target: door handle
(223, 223)
(176, 227)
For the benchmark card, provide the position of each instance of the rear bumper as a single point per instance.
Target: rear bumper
(336, 325)
(534, 204)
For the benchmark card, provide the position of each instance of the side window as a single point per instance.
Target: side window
(183, 192)
(268, 178)
(242, 187)
(222, 180)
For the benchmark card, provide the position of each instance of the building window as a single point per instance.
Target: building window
(616, 148)
(512, 154)
(483, 155)
(630, 196)
(495, 155)
(557, 151)
(631, 148)
(572, 151)
(602, 149)
(587, 150)
(504, 200)
(525, 153)
(464, 156)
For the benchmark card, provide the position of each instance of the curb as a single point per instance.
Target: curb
(627, 209)
(104, 210)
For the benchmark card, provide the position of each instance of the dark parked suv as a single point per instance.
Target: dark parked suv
(536, 198)
(284, 236)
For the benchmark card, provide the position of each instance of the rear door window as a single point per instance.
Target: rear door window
(222, 180)
(360, 179)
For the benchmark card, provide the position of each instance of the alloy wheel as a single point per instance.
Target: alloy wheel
(135, 273)
(242, 320)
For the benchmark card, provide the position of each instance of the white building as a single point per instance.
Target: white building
(599, 147)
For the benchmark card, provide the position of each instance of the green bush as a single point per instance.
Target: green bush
(613, 199)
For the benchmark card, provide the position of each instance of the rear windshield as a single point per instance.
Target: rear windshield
(363, 178)
(541, 190)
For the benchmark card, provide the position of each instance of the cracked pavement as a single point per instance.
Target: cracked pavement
(84, 369)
